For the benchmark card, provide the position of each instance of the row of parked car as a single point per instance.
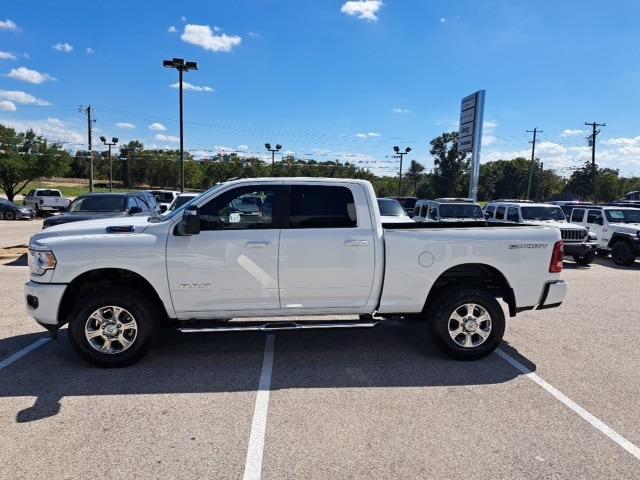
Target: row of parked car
(587, 230)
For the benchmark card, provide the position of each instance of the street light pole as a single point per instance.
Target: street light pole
(114, 140)
(182, 66)
(273, 155)
(400, 155)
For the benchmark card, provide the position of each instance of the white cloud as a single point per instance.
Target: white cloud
(30, 76)
(7, 106)
(243, 148)
(172, 29)
(373, 134)
(203, 36)
(443, 20)
(254, 35)
(363, 9)
(191, 87)
(361, 135)
(17, 96)
(157, 127)
(90, 51)
(63, 47)
(167, 138)
(623, 142)
(183, 18)
(488, 134)
(401, 110)
(8, 25)
(571, 133)
(53, 129)
(125, 125)
(367, 135)
(7, 56)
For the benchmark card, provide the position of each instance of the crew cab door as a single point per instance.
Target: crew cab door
(327, 250)
(232, 264)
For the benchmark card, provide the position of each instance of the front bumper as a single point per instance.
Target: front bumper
(24, 215)
(553, 294)
(43, 301)
(579, 248)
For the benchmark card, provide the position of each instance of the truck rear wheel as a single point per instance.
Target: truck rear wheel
(622, 253)
(468, 324)
(113, 329)
(585, 259)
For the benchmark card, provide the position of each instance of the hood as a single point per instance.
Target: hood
(554, 223)
(92, 227)
(78, 216)
(626, 227)
(396, 219)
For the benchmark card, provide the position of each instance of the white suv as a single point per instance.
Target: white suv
(618, 230)
(447, 210)
(579, 242)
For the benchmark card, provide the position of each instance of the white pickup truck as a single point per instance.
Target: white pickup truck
(43, 200)
(315, 247)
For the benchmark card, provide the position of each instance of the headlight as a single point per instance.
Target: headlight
(41, 260)
(593, 236)
(25, 210)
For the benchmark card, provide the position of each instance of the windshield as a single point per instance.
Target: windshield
(623, 216)
(163, 197)
(543, 213)
(391, 208)
(48, 193)
(461, 210)
(181, 200)
(98, 203)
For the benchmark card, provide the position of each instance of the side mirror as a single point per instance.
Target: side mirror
(135, 210)
(189, 223)
(163, 208)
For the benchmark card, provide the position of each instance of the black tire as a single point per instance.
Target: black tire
(451, 301)
(622, 253)
(132, 301)
(9, 215)
(585, 259)
(602, 253)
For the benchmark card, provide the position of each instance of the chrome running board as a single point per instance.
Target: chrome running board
(275, 326)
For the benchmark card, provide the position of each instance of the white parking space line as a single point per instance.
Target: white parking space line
(595, 422)
(19, 354)
(253, 464)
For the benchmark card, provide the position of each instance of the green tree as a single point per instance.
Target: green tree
(25, 157)
(608, 183)
(451, 166)
(415, 173)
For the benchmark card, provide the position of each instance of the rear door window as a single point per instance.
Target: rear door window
(577, 215)
(500, 213)
(593, 216)
(512, 214)
(319, 206)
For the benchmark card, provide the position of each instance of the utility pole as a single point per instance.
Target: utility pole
(533, 158)
(400, 155)
(90, 122)
(592, 142)
(540, 181)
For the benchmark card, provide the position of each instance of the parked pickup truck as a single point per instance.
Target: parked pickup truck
(320, 250)
(42, 200)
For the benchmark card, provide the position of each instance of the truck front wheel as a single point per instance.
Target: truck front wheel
(468, 323)
(114, 328)
(622, 253)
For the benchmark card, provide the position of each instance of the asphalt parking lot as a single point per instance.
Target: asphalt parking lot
(376, 403)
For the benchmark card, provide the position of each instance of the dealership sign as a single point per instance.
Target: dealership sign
(470, 134)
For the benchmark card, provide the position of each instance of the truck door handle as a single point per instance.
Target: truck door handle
(356, 243)
(257, 244)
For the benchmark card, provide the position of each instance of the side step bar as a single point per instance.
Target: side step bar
(275, 326)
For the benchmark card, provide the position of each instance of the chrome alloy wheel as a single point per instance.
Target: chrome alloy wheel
(469, 325)
(111, 330)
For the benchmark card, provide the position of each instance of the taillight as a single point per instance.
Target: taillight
(557, 257)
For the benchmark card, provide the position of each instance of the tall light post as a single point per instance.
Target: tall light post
(182, 66)
(400, 155)
(273, 155)
(114, 140)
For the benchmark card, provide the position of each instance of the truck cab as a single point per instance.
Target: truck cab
(617, 228)
(579, 242)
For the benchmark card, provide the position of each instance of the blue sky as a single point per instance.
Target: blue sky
(330, 79)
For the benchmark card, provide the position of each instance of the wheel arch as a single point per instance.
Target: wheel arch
(101, 278)
(473, 275)
(617, 237)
